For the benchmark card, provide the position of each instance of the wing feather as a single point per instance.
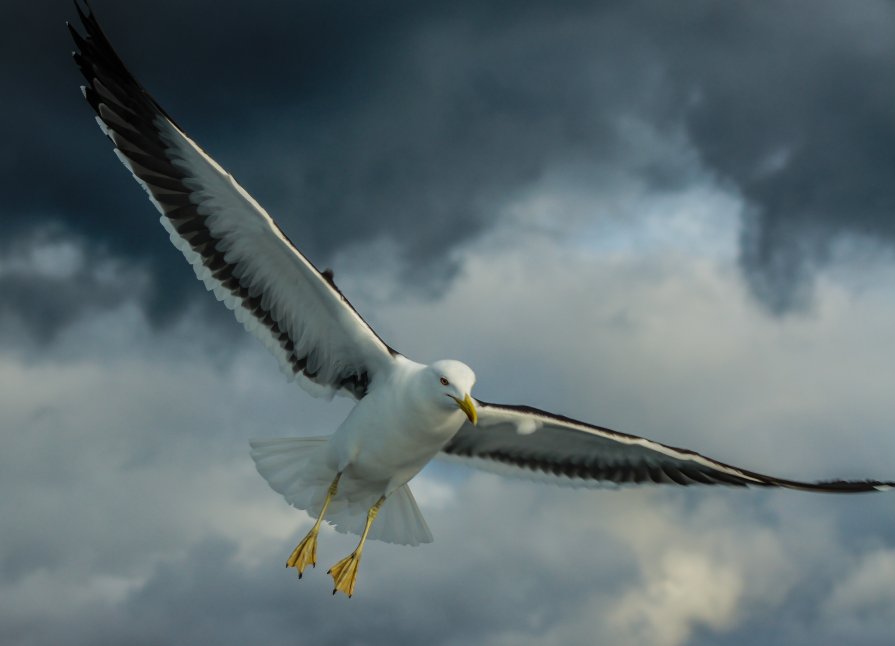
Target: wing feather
(527, 442)
(233, 245)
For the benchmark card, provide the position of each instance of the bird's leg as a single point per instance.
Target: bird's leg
(344, 572)
(305, 553)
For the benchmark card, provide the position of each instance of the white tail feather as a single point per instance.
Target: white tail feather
(296, 468)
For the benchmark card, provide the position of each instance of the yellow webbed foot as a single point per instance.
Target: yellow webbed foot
(305, 553)
(344, 573)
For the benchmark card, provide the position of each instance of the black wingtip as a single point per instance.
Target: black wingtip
(75, 34)
(86, 11)
(82, 13)
(99, 61)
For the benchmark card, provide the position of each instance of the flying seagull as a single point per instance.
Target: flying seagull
(406, 413)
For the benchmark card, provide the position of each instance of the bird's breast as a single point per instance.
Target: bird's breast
(384, 439)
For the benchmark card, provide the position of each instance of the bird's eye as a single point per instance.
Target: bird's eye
(445, 382)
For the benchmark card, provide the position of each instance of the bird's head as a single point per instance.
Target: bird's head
(451, 383)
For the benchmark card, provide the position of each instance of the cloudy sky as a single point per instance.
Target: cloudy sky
(673, 219)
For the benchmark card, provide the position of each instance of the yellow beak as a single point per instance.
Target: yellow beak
(467, 407)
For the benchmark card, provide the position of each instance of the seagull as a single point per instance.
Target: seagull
(407, 413)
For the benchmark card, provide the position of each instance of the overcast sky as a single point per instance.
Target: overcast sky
(673, 219)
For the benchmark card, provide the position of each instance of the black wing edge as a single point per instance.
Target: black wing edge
(98, 60)
(131, 127)
(462, 445)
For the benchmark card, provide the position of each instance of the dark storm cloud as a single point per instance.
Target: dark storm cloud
(418, 121)
(45, 305)
(794, 104)
(48, 280)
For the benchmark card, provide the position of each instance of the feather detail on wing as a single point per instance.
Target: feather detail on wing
(233, 245)
(530, 443)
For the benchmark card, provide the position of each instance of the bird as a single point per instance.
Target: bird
(406, 413)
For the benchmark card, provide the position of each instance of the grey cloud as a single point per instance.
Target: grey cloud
(517, 578)
(132, 513)
(41, 306)
(793, 104)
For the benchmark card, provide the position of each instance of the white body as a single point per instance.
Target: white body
(405, 419)
(392, 432)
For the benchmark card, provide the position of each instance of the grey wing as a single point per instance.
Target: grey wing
(527, 442)
(233, 245)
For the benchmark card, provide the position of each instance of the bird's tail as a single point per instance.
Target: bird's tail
(296, 468)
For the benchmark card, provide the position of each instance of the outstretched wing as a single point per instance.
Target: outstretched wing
(527, 442)
(234, 246)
